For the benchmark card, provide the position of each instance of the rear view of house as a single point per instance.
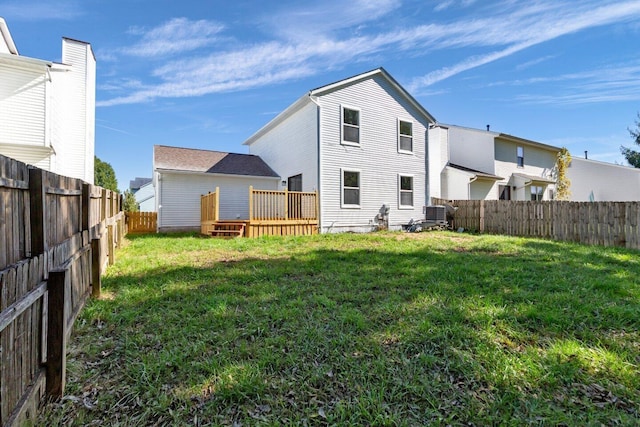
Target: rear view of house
(361, 143)
(47, 110)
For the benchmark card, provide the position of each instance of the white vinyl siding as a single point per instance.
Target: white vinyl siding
(291, 147)
(23, 99)
(376, 158)
(179, 197)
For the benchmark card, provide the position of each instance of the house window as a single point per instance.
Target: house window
(405, 136)
(405, 190)
(505, 192)
(350, 126)
(294, 183)
(536, 193)
(350, 188)
(520, 154)
(552, 194)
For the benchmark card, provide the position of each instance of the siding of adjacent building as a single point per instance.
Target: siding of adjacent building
(178, 197)
(23, 100)
(145, 197)
(377, 158)
(438, 154)
(472, 148)
(537, 162)
(608, 182)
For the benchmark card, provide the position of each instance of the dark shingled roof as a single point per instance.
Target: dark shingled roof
(206, 161)
(135, 184)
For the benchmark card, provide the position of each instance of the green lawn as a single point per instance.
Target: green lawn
(379, 329)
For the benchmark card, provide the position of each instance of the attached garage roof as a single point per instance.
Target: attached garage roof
(206, 161)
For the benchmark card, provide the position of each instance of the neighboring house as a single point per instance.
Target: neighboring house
(474, 164)
(182, 175)
(146, 197)
(596, 181)
(47, 110)
(135, 184)
(361, 143)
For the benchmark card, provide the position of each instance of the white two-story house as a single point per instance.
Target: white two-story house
(47, 109)
(361, 143)
(474, 164)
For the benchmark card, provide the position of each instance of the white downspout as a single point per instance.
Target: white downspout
(319, 189)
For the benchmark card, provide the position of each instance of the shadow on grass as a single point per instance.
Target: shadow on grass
(388, 334)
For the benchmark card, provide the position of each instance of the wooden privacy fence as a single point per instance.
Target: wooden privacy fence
(141, 222)
(57, 234)
(594, 223)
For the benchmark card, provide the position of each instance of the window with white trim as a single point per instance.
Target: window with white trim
(520, 156)
(350, 120)
(405, 191)
(405, 136)
(350, 188)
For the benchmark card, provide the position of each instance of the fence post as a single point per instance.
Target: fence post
(96, 281)
(286, 204)
(217, 206)
(37, 210)
(56, 334)
(111, 242)
(481, 225)
(86, 205)
(250, 203)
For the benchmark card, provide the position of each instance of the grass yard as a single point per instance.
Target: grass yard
(378, 329)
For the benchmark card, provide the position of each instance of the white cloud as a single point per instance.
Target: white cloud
(25, 10)
(174, 36)
(508, 29)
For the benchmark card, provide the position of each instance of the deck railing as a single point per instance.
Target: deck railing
(269, 205)
(209, 210)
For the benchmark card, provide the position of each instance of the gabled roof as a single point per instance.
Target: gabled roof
(360, 77)
(206, 161)
(6, 37)
(306, 98)
(476, 173)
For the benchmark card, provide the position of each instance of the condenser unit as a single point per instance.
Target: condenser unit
(436, 214)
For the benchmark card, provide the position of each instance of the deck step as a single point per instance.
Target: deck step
(228, 230)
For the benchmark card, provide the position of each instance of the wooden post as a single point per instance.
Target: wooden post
(38, 214)
(103, 205)
(217, 206)
(56, 334)
(111, 243)
(86, 205)
(250, 204)
(96, 281)
(481, 225)
(286, 204)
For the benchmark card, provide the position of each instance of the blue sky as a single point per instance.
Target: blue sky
(208, 74)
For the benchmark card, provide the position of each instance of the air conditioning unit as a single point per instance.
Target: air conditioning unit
(437, 214)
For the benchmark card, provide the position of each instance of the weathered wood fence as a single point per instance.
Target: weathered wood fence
(57, 234)
(594, 223)
(141, 222)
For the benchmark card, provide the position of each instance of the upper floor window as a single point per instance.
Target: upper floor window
(520, 154)
(405, 136)
(350, 126)
(405, 190)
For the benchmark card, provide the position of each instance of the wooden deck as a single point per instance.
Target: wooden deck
(271, 213)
